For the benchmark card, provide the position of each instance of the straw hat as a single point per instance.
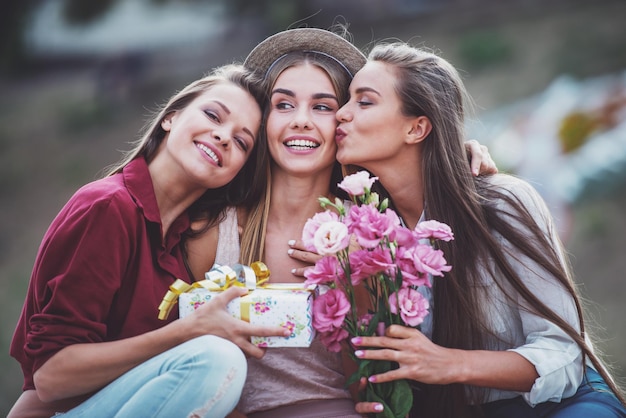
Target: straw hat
(305, 39)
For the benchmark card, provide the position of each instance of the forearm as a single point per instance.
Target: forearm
(84, 368)
(504, 370)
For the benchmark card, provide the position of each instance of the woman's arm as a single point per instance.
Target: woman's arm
(83, 368)
(421, 360)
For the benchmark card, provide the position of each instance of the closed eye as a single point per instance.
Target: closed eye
(212, 115)
(241, 143)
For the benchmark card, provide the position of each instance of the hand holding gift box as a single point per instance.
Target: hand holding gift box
(288, 305)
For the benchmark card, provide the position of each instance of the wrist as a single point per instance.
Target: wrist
(461, 370)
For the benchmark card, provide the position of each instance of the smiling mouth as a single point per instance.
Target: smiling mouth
(210, 153)
(301, 144)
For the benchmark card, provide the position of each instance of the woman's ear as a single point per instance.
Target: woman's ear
(420, 128)
(166, 123)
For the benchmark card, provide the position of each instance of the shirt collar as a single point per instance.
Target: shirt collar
(139, 183)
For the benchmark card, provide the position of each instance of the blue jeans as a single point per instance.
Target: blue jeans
(592, 399)
(200, 378)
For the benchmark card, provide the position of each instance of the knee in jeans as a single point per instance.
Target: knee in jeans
(209, 350)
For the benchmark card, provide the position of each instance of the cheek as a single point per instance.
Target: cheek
(275, 125)
(329, 129)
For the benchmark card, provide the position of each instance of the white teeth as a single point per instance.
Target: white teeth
(302, 144)
(210, 153)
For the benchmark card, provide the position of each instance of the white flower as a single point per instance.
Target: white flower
(331, 237)
(358, 184)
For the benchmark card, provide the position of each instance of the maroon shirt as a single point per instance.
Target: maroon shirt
(101, 271)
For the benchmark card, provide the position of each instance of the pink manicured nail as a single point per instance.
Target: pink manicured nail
(359, 353)
(372, 379)
(378, 407)
(356, 340)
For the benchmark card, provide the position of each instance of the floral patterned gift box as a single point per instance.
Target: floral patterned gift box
(288, 305)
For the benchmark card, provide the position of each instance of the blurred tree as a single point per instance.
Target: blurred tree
(13, 21)
(81, 12)
(482, 49)
(277, 14)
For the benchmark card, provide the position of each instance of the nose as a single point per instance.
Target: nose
(343, 115)
(222, 137)
(301, 119)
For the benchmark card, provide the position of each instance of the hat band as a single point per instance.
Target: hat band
(341, 64)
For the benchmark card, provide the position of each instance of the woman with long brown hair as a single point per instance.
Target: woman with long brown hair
(506, 336)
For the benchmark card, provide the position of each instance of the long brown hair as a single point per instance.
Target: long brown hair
(253, 237)
(430, 86)
(248, 184)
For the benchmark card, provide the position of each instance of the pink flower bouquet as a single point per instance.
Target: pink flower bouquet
(365, 245)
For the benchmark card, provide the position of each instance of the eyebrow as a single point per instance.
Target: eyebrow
(290, 93)
(223, 106)
(227, 110)
(366, 90)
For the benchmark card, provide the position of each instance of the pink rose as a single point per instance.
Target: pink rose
(431, 261)
(405, 260)
(412, 304)
(313, 224)
(434, 230)
(370, 226)
(357, 184)
(332, 340)
(366, 263)
(330, 310)
(326, 270)
(331, 237)
(405, 237)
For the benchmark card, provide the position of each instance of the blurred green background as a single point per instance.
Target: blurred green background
(78, 79)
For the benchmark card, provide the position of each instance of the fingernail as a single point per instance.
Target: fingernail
(356, 340)
(475, 171)
(290, 251)
(378, 407)
(359, 353)
(291, 242)
(293, 271)
(372, 379)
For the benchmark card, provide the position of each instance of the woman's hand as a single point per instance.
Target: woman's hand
(297, 251)
(418, 358)
(422, 360)
(213, 318)
(480, 159)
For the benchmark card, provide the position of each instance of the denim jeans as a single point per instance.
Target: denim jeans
(202, 377)
(593, 399)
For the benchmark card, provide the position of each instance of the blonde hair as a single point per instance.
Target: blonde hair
(248, 184)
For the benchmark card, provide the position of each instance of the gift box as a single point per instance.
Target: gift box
(287, 305)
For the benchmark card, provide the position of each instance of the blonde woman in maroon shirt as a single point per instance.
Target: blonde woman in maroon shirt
(89, 340)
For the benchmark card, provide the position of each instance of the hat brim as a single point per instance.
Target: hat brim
(304, 39)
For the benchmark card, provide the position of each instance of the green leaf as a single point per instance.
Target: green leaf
(401, 399)
(353, 379)
(374, 397)
(371, 328)
(364, 367)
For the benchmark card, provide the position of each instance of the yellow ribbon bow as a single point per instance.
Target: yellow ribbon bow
(218, 278)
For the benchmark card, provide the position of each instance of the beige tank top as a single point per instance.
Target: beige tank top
(283, 376)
